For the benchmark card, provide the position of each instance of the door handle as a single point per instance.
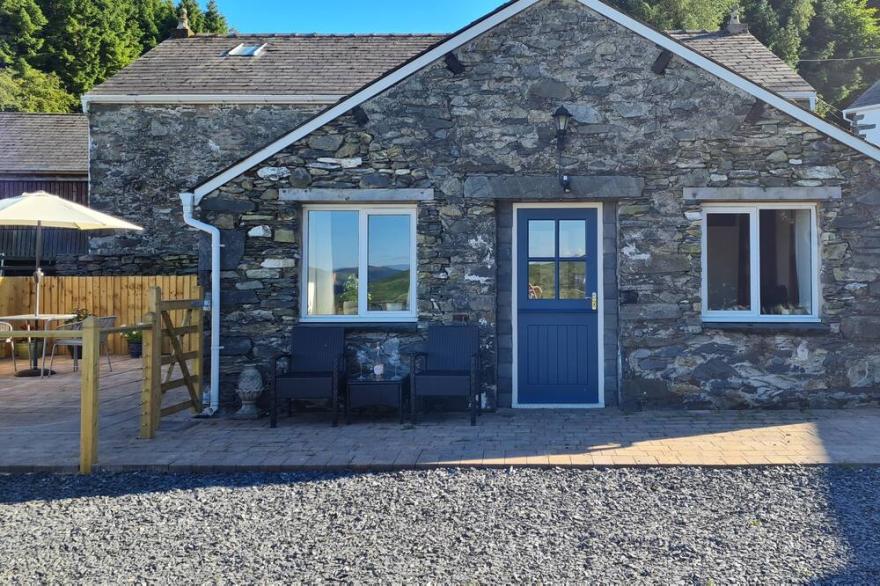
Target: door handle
(595, 301)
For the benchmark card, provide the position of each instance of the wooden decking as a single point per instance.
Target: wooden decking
(39, 430)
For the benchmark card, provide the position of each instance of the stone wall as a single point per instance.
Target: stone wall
(637, 141)
(142, 156)
(455, 242)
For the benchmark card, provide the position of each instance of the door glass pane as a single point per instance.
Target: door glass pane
(572, 238)
(333, 263)
(389, 247)
(542, 280)
(786, 262)
(572, 279)
(542, 238)
(727, 262)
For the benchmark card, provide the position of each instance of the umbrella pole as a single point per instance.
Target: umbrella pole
(38, 273)
(38, 285)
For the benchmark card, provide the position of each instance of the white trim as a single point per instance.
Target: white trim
(297, 99)
(754, 315)
(371, 90)
(797, 95)
(664, 41)
(364, 211)
(257, 51)
(600, 314)
(812, 98)
(860, 109)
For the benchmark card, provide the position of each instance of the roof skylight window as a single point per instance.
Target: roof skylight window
(245, 50)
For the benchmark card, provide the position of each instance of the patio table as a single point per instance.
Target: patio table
(47, 319)
(370, 391)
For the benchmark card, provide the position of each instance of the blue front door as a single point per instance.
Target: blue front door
(557, 306)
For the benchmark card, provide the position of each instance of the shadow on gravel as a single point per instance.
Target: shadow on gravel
(853, 500)
(22, 488)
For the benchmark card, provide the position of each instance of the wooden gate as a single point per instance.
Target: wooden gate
(177, 325)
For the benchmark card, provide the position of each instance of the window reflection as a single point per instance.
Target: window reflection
(388, 262)
(333, 263)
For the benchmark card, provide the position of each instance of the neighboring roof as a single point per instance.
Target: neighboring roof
(333, 66)
(289, 65)
(871, 97)
(497, 17)
(44, 143)
(747, 56)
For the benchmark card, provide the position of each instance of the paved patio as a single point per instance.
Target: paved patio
(39, 430)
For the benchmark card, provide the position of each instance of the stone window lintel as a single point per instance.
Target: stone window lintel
(762, 193)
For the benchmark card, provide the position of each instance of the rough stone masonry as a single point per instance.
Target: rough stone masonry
(493, 125)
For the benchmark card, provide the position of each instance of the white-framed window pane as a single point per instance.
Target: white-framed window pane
(389, 262)
(785, 237)
(728, 261)
(333, 279)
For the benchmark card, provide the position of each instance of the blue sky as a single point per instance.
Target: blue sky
(353, 16)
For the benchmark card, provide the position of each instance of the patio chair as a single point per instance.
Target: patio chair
(315, 370)
(450, 368)
(6, 328)
(75, 343)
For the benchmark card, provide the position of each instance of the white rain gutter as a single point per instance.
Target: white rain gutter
(187, 200)
(292, 99)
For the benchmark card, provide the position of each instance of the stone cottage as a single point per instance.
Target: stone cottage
(631, 217)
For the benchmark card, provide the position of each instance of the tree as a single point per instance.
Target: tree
(25, 89)
(87, 41)
(54, 50)
(679, 14)
(842, 29)
(215, 22)
(20, 24)
(155, 20)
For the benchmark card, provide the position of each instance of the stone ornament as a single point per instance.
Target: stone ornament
(250, 387)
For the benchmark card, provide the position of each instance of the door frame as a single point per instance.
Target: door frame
(600, 314)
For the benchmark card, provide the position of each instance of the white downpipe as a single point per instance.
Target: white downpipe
(187, 201)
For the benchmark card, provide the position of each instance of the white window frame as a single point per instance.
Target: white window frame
(754, 316)
(246, 50)
(364, 315)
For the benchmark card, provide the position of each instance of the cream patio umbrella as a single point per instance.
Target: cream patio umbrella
(44, 210)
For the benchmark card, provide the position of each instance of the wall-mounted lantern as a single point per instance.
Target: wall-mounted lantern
(562, 117)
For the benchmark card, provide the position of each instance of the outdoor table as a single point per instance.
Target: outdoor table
(378, 391)
(47, 319)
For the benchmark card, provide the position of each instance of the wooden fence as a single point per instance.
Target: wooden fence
(124, 297)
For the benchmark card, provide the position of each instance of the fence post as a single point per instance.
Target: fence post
(151, 392)
(88, 434)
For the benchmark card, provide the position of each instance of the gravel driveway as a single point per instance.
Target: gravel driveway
(613, 526)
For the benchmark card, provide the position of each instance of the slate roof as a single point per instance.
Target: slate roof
(747, 56)
(289, 65)
(44, 143)
(340, 64)
(871, 97)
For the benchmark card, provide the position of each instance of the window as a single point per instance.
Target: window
(566, 264)
(360, 263)
(760, 263)
(243, 50)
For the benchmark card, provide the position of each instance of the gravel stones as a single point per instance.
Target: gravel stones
(782, 525)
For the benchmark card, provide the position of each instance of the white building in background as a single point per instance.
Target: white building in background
(864, 114)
